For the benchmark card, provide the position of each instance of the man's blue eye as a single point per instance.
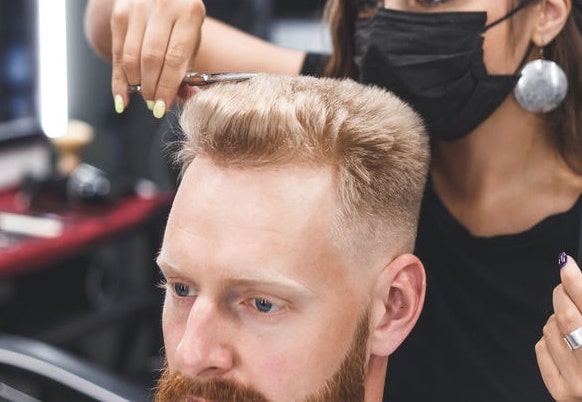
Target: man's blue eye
(181, 290)
(264, 305)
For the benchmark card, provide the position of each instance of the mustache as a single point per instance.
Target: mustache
(174, 387)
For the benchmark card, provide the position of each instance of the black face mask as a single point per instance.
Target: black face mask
(434, 61)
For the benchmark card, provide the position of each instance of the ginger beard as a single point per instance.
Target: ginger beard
(346, 384)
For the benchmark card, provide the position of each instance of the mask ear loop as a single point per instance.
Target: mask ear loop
(517, 9)
(509, 14)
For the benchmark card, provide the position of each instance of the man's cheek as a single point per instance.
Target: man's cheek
(172, 337)
(274, 372)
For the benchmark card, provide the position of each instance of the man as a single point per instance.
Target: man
(287, 251)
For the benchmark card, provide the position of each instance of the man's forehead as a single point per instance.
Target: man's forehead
(255, 221)
(283, 199)
(301, 173)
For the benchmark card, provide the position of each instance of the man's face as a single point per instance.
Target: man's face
(256, 292)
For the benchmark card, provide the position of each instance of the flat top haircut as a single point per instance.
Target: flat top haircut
(374, 143)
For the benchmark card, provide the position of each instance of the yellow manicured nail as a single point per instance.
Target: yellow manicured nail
(150, 104)
(119, 104)
(159, 109)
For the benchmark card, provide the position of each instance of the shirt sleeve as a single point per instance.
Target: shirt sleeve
(314, 64)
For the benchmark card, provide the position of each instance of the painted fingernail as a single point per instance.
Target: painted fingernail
(150, 104)
(562, 259)
(159, 109)
(119, 104)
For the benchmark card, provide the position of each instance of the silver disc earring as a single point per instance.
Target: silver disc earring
(542, 85)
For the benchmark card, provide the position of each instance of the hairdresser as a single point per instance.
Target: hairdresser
(499, 86)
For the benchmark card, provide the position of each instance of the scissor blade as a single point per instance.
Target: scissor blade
(201, 79)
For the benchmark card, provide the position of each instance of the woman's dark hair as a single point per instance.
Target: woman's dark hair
(564, 124)
(342, 15)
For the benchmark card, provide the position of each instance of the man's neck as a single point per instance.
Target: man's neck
(375, 378)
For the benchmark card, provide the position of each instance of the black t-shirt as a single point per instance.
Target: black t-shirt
(314, 64)
(486, 304)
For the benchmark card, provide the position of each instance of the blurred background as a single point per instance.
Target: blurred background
(84, 194)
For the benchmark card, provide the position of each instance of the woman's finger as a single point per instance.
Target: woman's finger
(181, 49)
(571, 277)
(548, 368)
(119, 23)
(134, 40)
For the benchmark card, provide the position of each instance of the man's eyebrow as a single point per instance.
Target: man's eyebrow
(247, 281)
(270, 281)
(165, 265)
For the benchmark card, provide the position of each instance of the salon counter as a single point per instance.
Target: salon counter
(82, 229)
(90, 289)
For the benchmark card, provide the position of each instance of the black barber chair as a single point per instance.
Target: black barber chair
(31, 371)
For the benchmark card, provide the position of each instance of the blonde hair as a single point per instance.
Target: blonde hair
(373, 141)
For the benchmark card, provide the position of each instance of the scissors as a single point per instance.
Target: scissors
(202, 79)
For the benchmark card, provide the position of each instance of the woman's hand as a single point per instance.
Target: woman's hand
(152, 44)
(560, 366)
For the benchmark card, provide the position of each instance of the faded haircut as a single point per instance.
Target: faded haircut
(374, 142)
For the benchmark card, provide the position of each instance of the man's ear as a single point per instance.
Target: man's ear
(397, 301)
(551, 19)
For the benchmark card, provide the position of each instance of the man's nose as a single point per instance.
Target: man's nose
(204, 349)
